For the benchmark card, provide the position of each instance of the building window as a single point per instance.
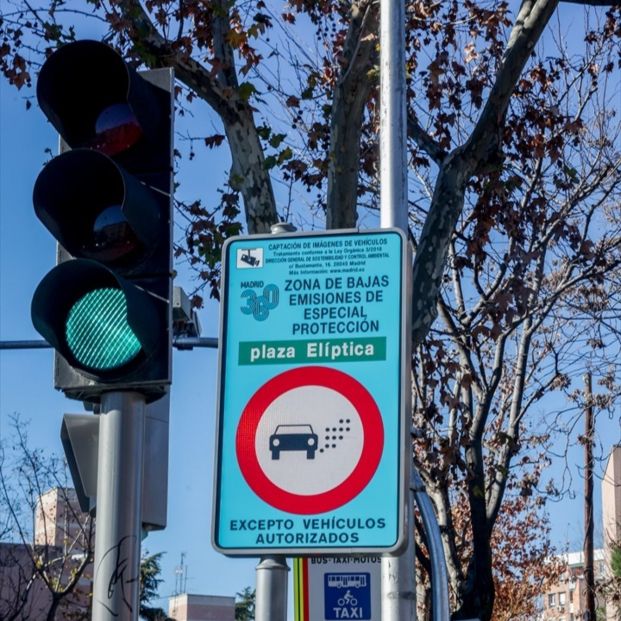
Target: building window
(551, 600)
(561, 599)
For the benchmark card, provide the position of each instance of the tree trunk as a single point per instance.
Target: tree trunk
(477, 592)
(350, 98)
(51, 613)
(248, 174)
(221, 91)
(446, 206)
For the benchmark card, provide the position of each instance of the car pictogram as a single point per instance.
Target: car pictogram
(293, 438)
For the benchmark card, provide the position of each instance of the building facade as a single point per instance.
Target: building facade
(63, 541)
(566, 600)
(611, 516)
(61, 546)
(187, 607)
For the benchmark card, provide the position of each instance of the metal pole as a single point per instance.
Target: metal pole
(119, 503)
(589, 575)
(398, 578)
(40, 344)
(272, 571)
(271, 596)
(439, 572)
(393, 128)
(180, 342)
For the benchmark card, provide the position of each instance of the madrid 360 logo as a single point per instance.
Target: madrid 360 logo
(259, 305)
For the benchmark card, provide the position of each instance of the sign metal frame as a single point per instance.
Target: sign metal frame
(235, 358)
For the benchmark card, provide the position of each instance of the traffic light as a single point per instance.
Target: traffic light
(106, 306)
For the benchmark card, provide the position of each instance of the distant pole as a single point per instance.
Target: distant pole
(589, 573)
(398, 599)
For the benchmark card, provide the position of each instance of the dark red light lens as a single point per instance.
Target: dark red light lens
(116, 129)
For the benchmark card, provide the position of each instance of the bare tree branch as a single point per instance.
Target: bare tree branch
(248, 172)
(351, 95)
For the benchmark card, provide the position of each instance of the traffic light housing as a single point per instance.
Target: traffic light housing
(106, 306)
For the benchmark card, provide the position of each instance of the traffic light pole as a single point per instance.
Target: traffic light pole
(119, 506)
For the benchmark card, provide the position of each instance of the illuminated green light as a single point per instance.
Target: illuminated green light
(97, 331)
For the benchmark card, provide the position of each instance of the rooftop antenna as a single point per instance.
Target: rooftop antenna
(181, 576)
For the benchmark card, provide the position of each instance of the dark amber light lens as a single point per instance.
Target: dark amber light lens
(112, 238)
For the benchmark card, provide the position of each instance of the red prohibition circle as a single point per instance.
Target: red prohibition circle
(349, 488)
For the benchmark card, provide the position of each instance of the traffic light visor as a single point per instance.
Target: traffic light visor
(95, 100)
(96, 210)
(101, 323)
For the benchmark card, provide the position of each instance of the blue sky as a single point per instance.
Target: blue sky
(27, 253)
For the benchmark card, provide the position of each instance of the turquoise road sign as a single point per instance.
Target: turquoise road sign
(311, 404)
